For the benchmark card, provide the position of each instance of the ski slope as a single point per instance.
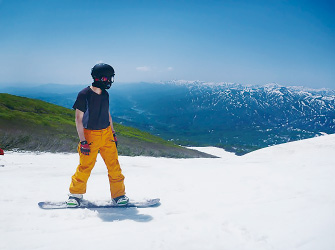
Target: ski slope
(280, 197)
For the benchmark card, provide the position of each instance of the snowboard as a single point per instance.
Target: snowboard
(109, 204)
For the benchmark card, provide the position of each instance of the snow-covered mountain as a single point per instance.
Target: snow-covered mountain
(226, 114)
(268, 107)
(280, 197)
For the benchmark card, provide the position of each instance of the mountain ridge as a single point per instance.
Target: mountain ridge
(237, 117)
(241, 115)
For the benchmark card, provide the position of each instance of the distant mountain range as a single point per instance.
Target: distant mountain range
(236, 117)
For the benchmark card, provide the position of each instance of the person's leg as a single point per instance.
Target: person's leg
(109, 154)
(86, 164)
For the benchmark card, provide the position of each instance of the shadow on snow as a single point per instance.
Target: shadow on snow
(120, 214)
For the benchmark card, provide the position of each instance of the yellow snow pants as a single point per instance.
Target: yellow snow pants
(100, 141)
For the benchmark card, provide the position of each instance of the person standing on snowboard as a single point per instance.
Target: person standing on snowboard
(96, 134)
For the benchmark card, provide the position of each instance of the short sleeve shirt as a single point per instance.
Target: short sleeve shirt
(95, 108)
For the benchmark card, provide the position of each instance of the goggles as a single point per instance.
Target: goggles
(105, 79)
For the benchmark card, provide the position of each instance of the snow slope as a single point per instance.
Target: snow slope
(280, 197)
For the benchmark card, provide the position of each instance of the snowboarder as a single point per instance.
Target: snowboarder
(96, 134)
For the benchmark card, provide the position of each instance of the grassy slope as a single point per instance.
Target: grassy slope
(29, 124)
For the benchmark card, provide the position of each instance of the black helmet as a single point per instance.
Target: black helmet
(103, 75)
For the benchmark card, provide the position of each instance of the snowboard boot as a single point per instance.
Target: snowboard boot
(74, 200)
(121, 200)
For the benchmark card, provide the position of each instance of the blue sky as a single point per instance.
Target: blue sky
(247, 42)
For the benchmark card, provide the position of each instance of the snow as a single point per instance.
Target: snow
(280, 197)
(219, 152)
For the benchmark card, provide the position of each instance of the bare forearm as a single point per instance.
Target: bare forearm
(80, 130)
(79, 125)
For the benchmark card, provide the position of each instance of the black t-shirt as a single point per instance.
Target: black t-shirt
(95, 108)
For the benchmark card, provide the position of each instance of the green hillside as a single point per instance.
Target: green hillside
(34, 125)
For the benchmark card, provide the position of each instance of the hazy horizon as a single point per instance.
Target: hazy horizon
(31, 85)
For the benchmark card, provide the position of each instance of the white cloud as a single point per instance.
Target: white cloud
(143, 68)
(154, 69)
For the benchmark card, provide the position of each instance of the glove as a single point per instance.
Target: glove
(115, 138)
(1, 152)
(85, 148)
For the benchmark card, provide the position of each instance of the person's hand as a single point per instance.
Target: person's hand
(115, 138)
(85, 148)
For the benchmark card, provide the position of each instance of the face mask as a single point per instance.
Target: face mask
(102, 85)
(103, 82)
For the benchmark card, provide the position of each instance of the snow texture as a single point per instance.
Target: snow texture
(281, 197)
